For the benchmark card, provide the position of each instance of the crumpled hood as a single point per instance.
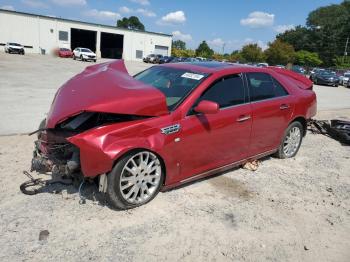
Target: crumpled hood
(105, 88)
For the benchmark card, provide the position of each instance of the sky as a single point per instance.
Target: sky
(226, 25)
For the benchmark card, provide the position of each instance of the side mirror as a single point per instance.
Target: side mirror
(207, 107)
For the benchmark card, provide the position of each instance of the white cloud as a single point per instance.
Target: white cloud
(69, 2)
(173, 18)
(102, 15)
(8, 7)
(217, 42)
(125, 10)
(145, 12)
(35, 3)
(141, 2)
(142, 11)
(283, 28)
(258, 19)
(177, 35)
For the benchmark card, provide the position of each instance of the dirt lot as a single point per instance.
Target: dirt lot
(288, 210)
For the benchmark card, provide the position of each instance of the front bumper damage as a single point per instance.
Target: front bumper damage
(53, 153)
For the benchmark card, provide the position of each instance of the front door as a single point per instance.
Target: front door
(208, 141)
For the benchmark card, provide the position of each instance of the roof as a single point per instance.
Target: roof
(81, 22)
(205, 67)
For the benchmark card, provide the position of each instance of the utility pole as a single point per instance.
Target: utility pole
(346, 48)
(223, 48)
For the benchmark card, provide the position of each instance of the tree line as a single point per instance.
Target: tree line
(321, 41)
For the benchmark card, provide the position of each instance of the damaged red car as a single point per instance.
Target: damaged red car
(170, 124)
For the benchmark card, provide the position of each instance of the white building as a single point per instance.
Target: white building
(38, 34)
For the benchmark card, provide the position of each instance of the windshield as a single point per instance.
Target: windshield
(347, 75)
(86, 50)
(14, 44)
(174, 83)
(64, 49)
(327, 74)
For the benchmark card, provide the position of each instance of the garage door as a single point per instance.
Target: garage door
(160, 50)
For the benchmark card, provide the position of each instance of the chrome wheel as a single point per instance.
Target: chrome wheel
(140, 177)
(292, 141)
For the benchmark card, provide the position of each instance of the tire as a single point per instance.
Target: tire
(94, 60)
(81, 58)
(74, 57)
(294, 144)
(129, 178)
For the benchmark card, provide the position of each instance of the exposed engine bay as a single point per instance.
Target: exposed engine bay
(53, 153)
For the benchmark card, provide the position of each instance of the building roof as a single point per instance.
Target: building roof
(81, 22)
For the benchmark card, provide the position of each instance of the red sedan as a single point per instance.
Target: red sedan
(170, 124)
(64, 52)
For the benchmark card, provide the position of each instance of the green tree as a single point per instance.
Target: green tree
(178, 44)
(252, 53)
(236, 57)
(279, 53)
(204, 50)
(132, 22)
(306, 58)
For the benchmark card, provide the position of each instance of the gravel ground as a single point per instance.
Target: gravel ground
(288, 210)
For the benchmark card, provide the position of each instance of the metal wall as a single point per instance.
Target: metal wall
(38, 33)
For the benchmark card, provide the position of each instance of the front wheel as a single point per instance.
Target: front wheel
(135, 180)
(291, 141)
(74, 57)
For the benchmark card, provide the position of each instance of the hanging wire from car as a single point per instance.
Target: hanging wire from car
(32, 182)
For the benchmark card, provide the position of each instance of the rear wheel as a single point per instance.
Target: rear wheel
(135, 180)
(291, 141)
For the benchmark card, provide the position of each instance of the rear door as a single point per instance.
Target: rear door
(213, 140)
(272, 108)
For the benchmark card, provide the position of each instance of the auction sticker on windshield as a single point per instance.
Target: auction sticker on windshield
(193, 76)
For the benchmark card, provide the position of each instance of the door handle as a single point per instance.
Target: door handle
(284, 106)
(243, 118)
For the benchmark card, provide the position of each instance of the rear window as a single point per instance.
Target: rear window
(262, 86)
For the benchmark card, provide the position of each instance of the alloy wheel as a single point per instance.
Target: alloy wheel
(140, 177)
(292, 141)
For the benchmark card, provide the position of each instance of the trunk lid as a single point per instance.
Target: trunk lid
(105, 88)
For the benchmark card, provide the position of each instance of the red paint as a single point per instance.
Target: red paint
(64, 53)
(207, 141)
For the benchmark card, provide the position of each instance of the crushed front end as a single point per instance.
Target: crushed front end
(53, 153)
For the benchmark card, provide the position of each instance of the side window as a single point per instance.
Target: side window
(227, 91)
(279, 89)
(260, 86)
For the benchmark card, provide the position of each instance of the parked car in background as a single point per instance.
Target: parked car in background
(191, 59)
(157, 59)
(14, 48)
(166, 59)
(178, 59)
(326, 78)
(298, 69)
(84, 54)
(64, 52)
(280, 66)
(262, 65)
(315, 71)
(150, 58)
(345, 79)
(171, 124)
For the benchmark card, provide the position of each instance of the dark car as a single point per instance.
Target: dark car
(165, 59)
(178, 59)
(315, 71)
(298, 69)
(326, 78)
(170, 124)
(157, 59)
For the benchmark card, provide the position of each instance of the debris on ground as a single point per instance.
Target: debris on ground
(43, 235)
(336, 129)
(252, 165)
